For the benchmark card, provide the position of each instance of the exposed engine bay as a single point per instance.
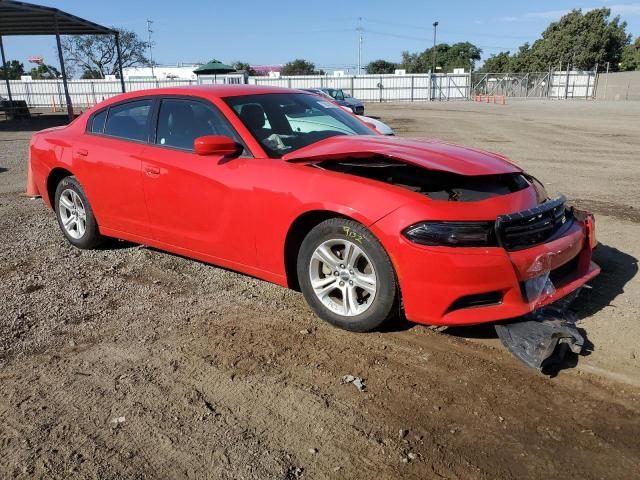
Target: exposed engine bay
(437, 185)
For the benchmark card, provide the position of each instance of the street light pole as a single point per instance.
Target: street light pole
(435, 28)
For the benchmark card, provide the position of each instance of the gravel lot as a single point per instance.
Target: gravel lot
(128, 362)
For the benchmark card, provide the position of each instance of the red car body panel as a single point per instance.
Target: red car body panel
(237, 213)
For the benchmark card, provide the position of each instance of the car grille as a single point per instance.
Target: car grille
(541, 224)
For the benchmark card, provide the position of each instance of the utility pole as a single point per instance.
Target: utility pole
(360, 30)
(606, 82)
(435, 28)
(149, 32)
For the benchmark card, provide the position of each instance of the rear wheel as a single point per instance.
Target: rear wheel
(75, 216)
(346, 275)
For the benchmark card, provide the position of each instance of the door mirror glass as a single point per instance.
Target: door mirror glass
(217, 145)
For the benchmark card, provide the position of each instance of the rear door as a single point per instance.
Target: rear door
(196, 202)
(109, 155)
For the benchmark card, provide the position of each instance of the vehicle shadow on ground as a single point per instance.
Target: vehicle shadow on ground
(35, 123)
(3, 169)
(618, 268)
(116, 244)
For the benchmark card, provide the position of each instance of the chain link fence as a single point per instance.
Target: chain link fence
(552, 84)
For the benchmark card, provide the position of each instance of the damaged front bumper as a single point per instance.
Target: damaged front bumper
(466, 286)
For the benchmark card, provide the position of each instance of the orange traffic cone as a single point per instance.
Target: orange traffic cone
(32, 189)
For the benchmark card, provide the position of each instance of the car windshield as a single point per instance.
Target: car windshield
(285, 122)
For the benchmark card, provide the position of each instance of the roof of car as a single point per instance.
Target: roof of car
(208, 91)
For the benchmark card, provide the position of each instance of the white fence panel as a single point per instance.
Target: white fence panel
(572, 84)
(368, 88)
(382, 88)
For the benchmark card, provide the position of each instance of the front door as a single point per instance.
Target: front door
(193, 201)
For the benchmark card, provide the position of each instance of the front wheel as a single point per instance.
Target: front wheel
(346, 275)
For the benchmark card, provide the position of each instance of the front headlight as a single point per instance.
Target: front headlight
(452, 234)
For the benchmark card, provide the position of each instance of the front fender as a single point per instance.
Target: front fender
(295, 190)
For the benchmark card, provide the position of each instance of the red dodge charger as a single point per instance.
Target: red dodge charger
(288, 187)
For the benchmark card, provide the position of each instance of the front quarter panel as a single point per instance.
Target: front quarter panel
(283, 192)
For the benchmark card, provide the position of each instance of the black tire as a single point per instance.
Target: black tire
(383, 304)
(91, 237)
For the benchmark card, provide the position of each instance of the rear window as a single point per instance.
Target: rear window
(129, 120)
(97, 122)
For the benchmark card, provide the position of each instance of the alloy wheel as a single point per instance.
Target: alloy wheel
(73, 214)
(343, 277)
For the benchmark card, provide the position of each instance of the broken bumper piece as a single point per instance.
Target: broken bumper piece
(542, 339)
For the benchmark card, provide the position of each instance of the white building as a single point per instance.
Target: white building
(182, 71)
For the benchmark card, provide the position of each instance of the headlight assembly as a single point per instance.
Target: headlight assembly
(452, 234)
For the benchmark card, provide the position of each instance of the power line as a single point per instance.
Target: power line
(426, 40)
(465, 33)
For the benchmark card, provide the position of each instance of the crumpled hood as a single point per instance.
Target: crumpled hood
(426, 153)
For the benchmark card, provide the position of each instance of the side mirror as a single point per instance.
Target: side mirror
(217, 145)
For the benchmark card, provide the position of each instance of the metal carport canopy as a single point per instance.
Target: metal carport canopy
(20, 18)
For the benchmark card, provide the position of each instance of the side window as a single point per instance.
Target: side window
(180, 122)
(98, 120)
(129, 120)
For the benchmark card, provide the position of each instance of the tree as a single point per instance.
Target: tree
(96, 55)
(244, 67)
(497, 63)
(300, 67)
(630, 58)
(381, 66)
(44, 72)
(581, 40)
(15, 70)
(459, 55)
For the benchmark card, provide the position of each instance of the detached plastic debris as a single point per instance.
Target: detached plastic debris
(357, 382)
(543, 338)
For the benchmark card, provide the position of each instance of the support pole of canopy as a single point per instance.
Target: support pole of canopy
(64, 73)
(117, 35)
(6, 74)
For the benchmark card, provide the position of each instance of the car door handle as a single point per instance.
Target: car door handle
(83, 152)
(152, 171)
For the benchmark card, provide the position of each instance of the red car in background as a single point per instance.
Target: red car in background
(285, 186)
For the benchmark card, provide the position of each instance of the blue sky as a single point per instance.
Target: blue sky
(272, 32)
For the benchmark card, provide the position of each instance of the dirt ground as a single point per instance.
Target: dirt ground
(127, 362)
